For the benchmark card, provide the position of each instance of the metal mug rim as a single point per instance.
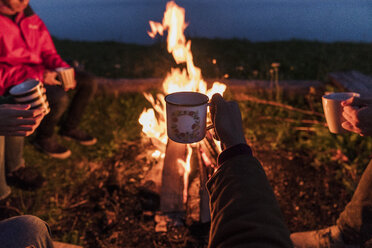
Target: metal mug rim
(327, 96)
(186, 105)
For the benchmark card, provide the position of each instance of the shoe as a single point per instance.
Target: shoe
(79, 136)
(26, 178)
(329, 237)
(52, 148)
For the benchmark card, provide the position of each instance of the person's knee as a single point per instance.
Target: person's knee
(24, 231)
(34, 224)
(27, 226)
(57, 97)
(58, 100)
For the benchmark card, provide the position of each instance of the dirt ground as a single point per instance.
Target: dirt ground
(119, 212)
(111, 208)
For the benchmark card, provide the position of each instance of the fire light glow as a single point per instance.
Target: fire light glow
(188, 79)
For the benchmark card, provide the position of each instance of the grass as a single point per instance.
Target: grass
(87, 175)
(237, 58)
(113, 121)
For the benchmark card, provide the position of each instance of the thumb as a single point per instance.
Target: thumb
(217, 100)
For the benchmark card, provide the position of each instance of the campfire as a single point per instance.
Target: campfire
(181, 170)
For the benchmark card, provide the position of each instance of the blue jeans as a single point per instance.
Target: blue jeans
(11, 159)
(355, 222)
(25, 231)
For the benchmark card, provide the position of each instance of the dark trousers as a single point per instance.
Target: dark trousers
(58, 99)
(355, 222)
(25, 231)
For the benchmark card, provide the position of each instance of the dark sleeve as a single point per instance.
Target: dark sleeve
(244, 210)
(6, 100)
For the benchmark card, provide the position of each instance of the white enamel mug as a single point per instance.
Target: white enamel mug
(333, 109)
(31, 92)
(186, 116)
(67, 77)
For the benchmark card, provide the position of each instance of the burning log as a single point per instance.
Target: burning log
(173, 205)
(172, 188)
(205, 213)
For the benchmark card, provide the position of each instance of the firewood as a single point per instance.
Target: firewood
(64, 245)
(293, 120)
(244, 97)
(307, 129)
(205, 214)
(171, 194)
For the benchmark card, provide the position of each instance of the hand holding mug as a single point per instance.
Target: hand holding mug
(358, 115)
(19, 120)
(50, 78)
(333, 109)
(227, 121)
(67, 76)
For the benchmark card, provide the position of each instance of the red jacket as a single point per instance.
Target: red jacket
(26, 50)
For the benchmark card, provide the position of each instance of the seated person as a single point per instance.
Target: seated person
(21, 231)
(244, 211)
(27, 51)
(354, 225)
(16, 121)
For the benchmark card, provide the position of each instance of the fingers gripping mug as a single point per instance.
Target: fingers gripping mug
(186, 116)
(333, 109)
(66, 76)
(31, 92)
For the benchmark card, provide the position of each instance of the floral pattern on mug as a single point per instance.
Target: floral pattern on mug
(195, 127)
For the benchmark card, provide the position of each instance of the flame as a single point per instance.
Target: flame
(188, 79)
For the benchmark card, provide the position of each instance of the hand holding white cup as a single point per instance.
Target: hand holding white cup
(186, 116)
(358, 115)
(67, 77)
(333, 110)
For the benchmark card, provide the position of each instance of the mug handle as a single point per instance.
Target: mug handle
(210, 126)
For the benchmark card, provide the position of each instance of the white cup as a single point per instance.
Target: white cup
(333, 109)
(31, 92)
(186, 116)
(67, 77)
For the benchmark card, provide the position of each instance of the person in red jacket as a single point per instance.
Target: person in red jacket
(27, 51)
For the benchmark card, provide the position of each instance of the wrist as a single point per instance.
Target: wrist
(236, 150)
(230, 143)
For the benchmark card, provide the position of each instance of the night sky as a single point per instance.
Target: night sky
(255, 20)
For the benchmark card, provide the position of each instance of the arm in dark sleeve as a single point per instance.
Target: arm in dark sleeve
(244, 210)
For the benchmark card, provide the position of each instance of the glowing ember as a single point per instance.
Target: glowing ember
(189, 79)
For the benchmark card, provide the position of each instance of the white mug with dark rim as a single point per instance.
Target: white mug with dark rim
(333, 109)
(31, 92)
(186, 116)
(67, 77)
